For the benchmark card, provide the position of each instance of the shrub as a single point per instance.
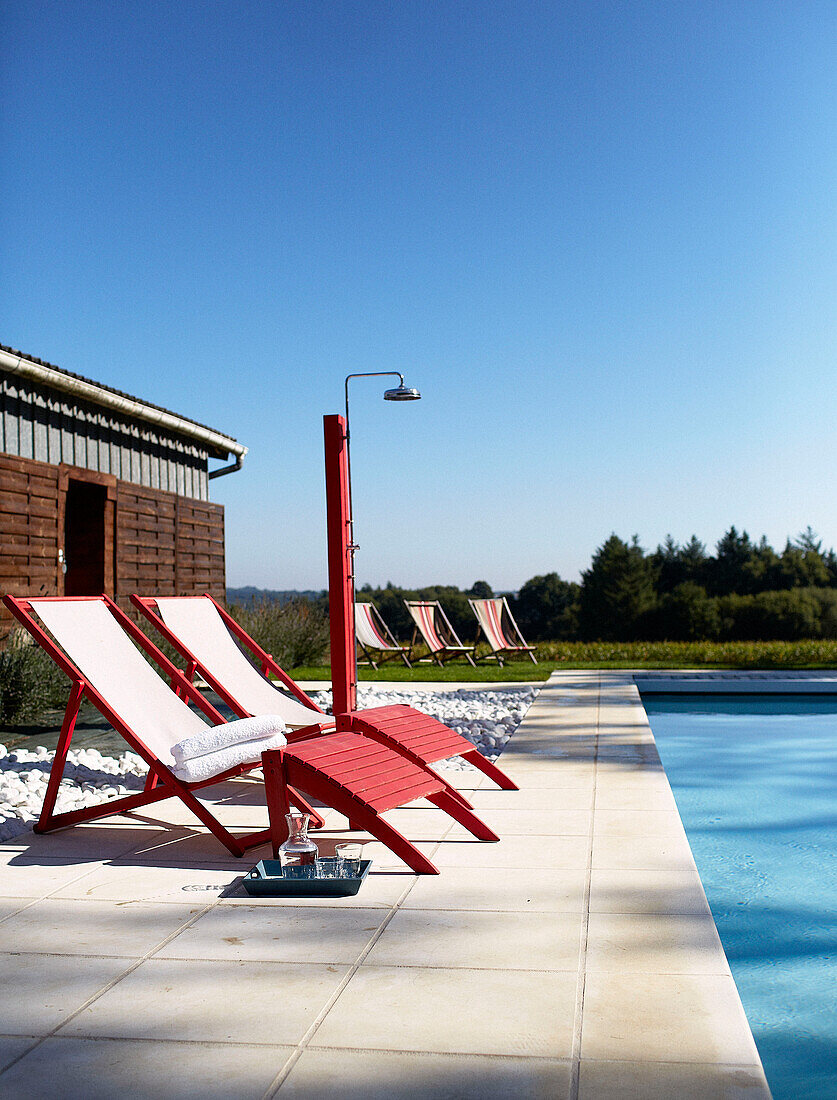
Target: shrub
(546, 607)
(685, 614)
(30, 681)
(295, 633)
(771, 616)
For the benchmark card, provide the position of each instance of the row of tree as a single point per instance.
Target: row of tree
(744, 591)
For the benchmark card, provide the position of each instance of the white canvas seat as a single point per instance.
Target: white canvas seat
(407, 731)
(374, 637)
(95, 643)
(499, 629)
(200, 628)
(436, 631)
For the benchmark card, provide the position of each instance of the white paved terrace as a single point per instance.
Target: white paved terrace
(577, 958)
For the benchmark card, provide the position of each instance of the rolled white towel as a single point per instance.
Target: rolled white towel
(213, 763)
(215, 738)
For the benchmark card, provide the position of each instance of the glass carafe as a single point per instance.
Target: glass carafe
(299, 850)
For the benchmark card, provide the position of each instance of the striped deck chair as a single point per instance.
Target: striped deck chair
(374, 637)
(499, 628)
(435, 628)
(214, 645)
(96, 645)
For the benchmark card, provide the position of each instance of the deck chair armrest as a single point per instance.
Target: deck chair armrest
(316, 729)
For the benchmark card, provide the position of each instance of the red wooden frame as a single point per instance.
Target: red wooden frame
(390, 649)
(341, 581)
(161, 783)
(450, 645)
(361, 780)
(266, 661)
(406, 730)
(358, 777)
(521, 646)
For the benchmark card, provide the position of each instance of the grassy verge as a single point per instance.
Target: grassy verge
(814, 654)
(458, 673)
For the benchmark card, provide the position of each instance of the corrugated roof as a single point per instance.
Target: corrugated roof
(113, 390)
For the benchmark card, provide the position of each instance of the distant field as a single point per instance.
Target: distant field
(814, 653)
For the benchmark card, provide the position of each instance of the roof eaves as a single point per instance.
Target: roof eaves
(217, 443)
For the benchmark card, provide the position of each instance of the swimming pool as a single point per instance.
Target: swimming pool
(755, 778)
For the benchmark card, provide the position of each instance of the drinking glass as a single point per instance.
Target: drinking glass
(350, 854)
(329, 867)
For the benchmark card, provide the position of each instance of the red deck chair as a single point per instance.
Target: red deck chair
(436, 631)
(205, 634)
(96, 649)
(374, 637)
(501, 631)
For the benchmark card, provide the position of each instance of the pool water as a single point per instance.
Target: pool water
(755, 778)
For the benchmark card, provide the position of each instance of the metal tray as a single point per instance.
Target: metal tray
(266, 879)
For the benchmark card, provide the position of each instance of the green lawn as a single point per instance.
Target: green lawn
(813, 654)
(451, 673)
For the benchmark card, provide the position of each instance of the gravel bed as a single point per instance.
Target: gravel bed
(486, 718)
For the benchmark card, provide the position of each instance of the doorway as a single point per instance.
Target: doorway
(85, 510)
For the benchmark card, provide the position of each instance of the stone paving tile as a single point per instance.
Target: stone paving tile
(26, 876)
(184, 845)
(661, 1081)
(563, 853)
(628, 798)
(161, 885)
(639, 823)
(629, 943)
(536, 776)
(94, 928)
(524, 941)
(11, 1047)
(515, 822)
(9, 907)
(617, 774)
(501, 1012)
(660, 1017)
(90, 843)
(215, 1001)
(102, 1069)
(523, 890)
(658, 853)
(279, 934)
(55, 986)
(420, 823)
(389, 1075)
(533, 798)
(648, 891)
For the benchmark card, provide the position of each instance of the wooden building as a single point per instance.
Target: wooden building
(102, 492)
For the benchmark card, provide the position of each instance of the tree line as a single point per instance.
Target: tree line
(745, 591)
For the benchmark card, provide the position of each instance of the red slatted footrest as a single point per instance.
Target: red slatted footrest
(420, 735)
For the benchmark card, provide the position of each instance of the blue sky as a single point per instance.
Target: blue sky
(600, 238)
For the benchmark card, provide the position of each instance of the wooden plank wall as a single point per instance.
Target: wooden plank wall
(28, 527)
(164, 544)
(168, 545)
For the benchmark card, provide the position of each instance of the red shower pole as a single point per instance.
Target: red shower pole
(341, 581)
